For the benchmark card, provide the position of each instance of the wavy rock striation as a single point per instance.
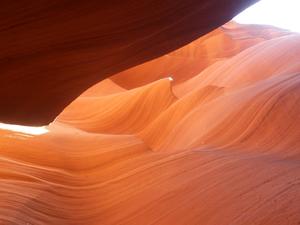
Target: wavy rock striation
(220, 146)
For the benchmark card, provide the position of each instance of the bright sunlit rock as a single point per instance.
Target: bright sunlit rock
(24, 129)
(280, 13)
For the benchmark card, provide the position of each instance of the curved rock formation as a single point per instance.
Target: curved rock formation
(256, 80)
(259, 62)
(122, 113)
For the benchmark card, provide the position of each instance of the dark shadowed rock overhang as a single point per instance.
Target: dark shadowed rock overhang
(51, 51)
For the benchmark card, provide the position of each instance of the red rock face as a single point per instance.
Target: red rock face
(218, 145)
(51, 51)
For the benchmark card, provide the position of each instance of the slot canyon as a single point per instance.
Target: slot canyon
(151, 113)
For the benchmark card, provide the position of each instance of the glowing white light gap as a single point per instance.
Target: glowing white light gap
(279, 13)
(24, 129)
